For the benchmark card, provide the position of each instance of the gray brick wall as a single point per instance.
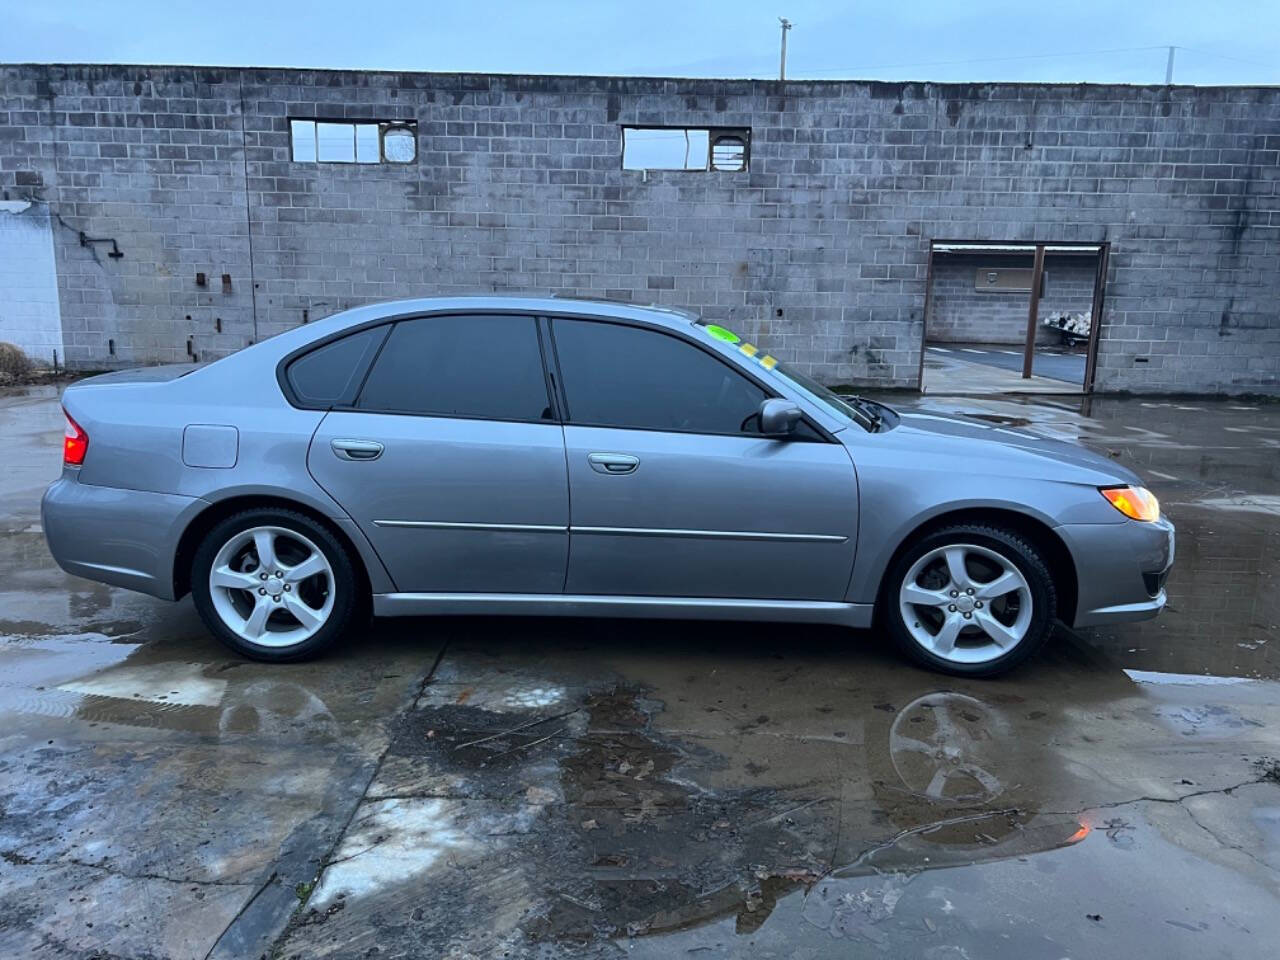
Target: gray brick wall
(962, 312)
(819, 250)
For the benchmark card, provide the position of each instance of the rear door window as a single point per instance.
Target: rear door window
(329, 376)
(463, 365)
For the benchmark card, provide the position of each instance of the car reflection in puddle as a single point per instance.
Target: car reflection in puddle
(957, 789)
(943, 773)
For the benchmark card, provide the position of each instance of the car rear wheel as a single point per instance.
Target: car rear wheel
(274, 584)
(970, 600)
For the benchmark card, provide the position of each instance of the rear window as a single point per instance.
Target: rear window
(479, 366)
(330, 375)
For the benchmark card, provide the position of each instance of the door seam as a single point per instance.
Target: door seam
(568, 493)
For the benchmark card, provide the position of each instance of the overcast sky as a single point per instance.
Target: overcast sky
(1069, 40)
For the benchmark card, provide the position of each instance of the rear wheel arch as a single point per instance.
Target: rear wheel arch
(216, 512)
(1061, 565)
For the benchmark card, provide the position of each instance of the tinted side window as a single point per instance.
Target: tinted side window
(628, 377)
(330, 375)
(462, 366)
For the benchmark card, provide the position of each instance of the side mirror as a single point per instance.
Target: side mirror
(779, 417)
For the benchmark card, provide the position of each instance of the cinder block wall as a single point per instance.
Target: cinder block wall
(963, 312)
(819, 250)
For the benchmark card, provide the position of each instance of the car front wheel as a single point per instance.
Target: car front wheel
(273, 584)
(971, 600)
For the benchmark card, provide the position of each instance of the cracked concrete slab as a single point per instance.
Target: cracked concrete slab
(68, 910)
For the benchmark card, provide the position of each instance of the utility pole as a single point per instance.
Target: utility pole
(782, 67)
(1168, 67)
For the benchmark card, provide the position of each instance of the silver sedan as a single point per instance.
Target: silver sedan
(544, 456)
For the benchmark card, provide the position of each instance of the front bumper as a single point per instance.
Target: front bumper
(127, 538)
(1120, 569)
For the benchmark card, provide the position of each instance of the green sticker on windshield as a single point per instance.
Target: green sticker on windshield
(720, 333)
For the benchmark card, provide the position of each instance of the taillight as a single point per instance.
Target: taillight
(75, 443)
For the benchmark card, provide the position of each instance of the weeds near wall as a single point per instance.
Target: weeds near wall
(15, 366)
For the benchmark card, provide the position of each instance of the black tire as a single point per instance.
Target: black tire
(1011, 546)
(348, 604)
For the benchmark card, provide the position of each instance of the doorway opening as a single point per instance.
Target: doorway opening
(1012, 317)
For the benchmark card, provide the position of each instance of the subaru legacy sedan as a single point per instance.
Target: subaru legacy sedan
(525, 456)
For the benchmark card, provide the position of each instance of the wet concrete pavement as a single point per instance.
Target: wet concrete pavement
(548, 788)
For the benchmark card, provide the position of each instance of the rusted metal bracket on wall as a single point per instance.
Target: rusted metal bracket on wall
(115, 253)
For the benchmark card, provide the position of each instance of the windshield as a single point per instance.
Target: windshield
(847, 408)
(850, 408)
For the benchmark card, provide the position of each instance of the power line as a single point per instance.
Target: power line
(1223, 56)
(1032, 56)
(953, 63)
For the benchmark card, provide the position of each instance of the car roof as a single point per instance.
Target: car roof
(656, 314)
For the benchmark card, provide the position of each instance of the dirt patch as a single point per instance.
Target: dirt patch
(1268, 769)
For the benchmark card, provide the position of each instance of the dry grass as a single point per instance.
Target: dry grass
(15, 366)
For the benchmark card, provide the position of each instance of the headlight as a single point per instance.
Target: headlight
(1136, 503)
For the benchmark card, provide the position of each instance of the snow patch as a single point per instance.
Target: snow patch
(1182, 679)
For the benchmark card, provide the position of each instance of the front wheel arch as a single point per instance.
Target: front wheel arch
(215, 513)
(1058, 558)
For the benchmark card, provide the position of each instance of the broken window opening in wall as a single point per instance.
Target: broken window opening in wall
(728, 153)
(338, 141)
(724, 149)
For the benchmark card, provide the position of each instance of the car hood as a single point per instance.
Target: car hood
(1009, 450)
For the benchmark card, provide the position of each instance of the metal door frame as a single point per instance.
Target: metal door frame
(1033, 307)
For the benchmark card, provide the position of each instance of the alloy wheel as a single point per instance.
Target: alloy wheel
(272, 586)
(965, 604)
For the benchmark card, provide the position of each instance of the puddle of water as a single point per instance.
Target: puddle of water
(31, 670)
(277, 709)
(1122, 891)
(173, 682)
(1246, 504)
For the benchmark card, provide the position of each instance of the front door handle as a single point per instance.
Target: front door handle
(356, 449)
(614, 463)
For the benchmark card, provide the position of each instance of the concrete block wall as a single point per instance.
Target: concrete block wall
(963, 312)
(152, 159)
(818, 250)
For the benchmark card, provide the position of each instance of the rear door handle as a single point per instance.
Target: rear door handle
(613, 463)
(356, 449)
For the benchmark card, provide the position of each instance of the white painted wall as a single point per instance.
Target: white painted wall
(29, 313)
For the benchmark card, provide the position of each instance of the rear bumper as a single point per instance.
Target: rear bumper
(126, 538)
(1120, 569)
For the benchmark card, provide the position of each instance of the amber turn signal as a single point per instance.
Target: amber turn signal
(1136, 503)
